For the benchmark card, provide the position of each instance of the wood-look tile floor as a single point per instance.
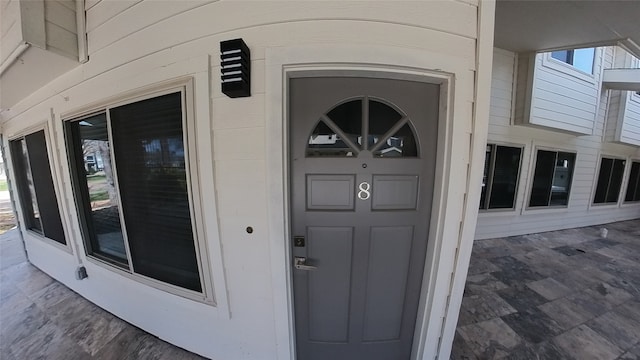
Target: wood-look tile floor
(568, 294)
(42, 319)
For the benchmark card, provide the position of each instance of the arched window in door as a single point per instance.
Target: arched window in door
(341, 132)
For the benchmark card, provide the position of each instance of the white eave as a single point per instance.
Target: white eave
(622, 79)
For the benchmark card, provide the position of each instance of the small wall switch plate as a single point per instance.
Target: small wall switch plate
(81, 273)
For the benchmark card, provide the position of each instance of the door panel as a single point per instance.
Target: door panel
(330, 192)
(395, 192)
(361, 191)
(389, 257)
(329, 310)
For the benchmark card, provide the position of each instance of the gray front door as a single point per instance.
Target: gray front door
(363, 154)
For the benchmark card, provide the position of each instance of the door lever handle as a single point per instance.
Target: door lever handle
(300, 263)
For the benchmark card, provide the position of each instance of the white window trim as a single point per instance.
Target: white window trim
(513, 209)
(526, 209)
(561, 66)
(184, 85)
(42, 126)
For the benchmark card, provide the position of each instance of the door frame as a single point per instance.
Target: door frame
(281, 64)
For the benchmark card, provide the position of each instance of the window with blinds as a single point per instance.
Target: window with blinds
(35, 186)
(148, 218)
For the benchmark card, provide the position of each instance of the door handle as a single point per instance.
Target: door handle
(300, 263)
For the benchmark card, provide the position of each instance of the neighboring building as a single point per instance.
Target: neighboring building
(330, 214)
(563, 144)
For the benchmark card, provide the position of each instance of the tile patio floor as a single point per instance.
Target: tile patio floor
(558, 295)
(42, 319)
(567, 294)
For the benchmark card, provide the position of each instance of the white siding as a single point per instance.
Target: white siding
(589, 149)
(563, 98)
(11, 28)
(133, 44)
(623, 120)
(61, 27)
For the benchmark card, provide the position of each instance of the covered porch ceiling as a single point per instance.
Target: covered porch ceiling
(540, 25)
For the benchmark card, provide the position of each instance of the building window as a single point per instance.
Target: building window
(35, 186)
(609, 181)
(500, 180)
(633, 189)
(552, 178)
(581, 59)
(131, 179)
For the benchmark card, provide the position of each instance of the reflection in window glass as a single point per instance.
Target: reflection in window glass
(325, 142)
(552, 178)
(347, 117)
(150, 154)
(96, 189)
(35, 186)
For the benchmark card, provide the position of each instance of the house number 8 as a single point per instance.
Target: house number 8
(364, 192)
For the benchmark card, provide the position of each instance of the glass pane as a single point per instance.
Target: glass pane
(633, 189)
(43, 184)
(401, 144)
(485, 176)
(543, 178)
(382, 117)
(616, 181)
(26, 189)
(505, 177)
(583, 59)
(562, 55)
(603, 180)
(152, 176)
(348, 117)
(96, 187)
(562, 179)
(325, 142)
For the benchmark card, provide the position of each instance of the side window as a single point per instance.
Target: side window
(130, 167)
(552, 178)
(500, 180)
(581, 59)
(633, 188)
(35, 186)
(609, 181)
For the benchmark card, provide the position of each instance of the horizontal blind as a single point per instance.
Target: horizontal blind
(150, 163)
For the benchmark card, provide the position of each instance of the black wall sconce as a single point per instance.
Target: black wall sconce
(235, 68)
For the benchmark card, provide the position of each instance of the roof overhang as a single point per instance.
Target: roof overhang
(541, 25)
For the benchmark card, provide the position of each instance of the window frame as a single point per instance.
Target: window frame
(532, 170)
(495, 144)
(622, 188)
(550, 62)
(625, 184)
(56, 188)
(185, 86)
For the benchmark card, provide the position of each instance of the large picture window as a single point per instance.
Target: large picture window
(500, 180)
(552, 178)
(609, 181)
(131, 179)
(35, 186)
(633, 188)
